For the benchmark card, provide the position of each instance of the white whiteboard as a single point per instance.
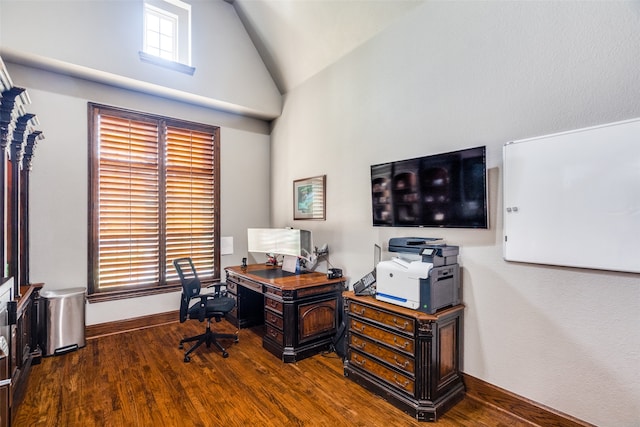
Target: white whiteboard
(573, 198)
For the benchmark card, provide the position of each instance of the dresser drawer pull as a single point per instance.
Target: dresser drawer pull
(403, 327)
(399, 384)
(400, 364)
(397, 344)
(359, 328)
(359, 344)
(274, 334)
(359, 362)
(361, 312)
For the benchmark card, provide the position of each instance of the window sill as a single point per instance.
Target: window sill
(131, 293)
(176, 66)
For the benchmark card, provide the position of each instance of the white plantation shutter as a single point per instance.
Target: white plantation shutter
(154, 197)
(190, 200)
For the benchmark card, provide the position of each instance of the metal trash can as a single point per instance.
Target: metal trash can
(64, 320)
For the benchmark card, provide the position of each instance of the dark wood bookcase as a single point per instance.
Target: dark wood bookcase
(20, 349)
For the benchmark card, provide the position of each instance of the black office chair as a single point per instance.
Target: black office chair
(208, 306)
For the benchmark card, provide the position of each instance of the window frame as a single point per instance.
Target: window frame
(162, 16)
(95, 293)
(182, 36)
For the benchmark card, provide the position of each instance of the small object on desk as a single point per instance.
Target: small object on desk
(244, 262)
(366, 285)
(291, 264)
(334, 273)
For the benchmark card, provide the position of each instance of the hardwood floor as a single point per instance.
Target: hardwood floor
(139, 379)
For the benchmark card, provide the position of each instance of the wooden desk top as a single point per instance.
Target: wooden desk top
(289, 282)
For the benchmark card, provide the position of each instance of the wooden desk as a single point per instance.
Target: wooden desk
(300, 312)
(410, 358)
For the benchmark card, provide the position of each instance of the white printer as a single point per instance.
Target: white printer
(424, 277)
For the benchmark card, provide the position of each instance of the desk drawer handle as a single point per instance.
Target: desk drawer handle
(359, 328)
(274, 334)
(397, 325)
(359, 362)
(400, 364)
(399, 384)
(359, 344)
(361, 312)
(397, 344)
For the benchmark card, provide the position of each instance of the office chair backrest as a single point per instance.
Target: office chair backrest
(188, 277)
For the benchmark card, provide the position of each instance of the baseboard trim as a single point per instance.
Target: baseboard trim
(128, 325)
(521, 407)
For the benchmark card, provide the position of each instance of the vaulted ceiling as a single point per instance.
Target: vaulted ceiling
(298, 38)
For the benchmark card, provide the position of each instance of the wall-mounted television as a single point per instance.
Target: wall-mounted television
(441, 190)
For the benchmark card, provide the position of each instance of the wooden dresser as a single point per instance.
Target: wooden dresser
(411, 359)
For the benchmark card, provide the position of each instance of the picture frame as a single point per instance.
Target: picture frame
(309, 197)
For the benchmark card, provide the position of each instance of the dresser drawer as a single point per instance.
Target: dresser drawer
(248, 283)
(396, 380)
(395, 321)
(232, 287)
(273, 305)
(375, 333)
(274, 334)
(273, 319)
(393, 358)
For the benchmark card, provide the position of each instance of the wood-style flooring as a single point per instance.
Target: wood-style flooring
(139, 379)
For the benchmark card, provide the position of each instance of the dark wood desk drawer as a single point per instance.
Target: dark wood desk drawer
(273, 304)
(399, 381)
(274, 334)
(393, 320)
(393, 358)
(273, 319)
(232, 287)
(248, 283)
(375, 333)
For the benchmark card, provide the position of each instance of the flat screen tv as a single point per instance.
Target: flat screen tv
(441, 190)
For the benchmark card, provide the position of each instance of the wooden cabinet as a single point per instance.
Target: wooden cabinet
(410, 358)
(18, 138)
(300, 312)
(24, 349)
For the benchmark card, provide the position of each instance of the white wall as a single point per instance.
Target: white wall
(106, 35)
(453, 75)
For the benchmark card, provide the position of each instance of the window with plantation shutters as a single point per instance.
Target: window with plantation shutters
(154, 197)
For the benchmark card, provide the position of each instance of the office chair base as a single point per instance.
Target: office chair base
(208, 338)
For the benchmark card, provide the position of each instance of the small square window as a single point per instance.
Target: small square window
(160, 36)
(167, 31)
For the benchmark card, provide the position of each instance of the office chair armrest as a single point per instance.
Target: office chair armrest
(217, 289)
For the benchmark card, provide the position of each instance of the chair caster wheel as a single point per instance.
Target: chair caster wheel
(225, 354)
(180, 346)
(187, 359)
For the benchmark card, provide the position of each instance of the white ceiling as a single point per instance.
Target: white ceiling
(298, 38)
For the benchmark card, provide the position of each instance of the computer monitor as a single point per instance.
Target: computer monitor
(377, 255)
(280, 241)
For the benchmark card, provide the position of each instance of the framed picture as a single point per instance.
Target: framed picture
(309, 198)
